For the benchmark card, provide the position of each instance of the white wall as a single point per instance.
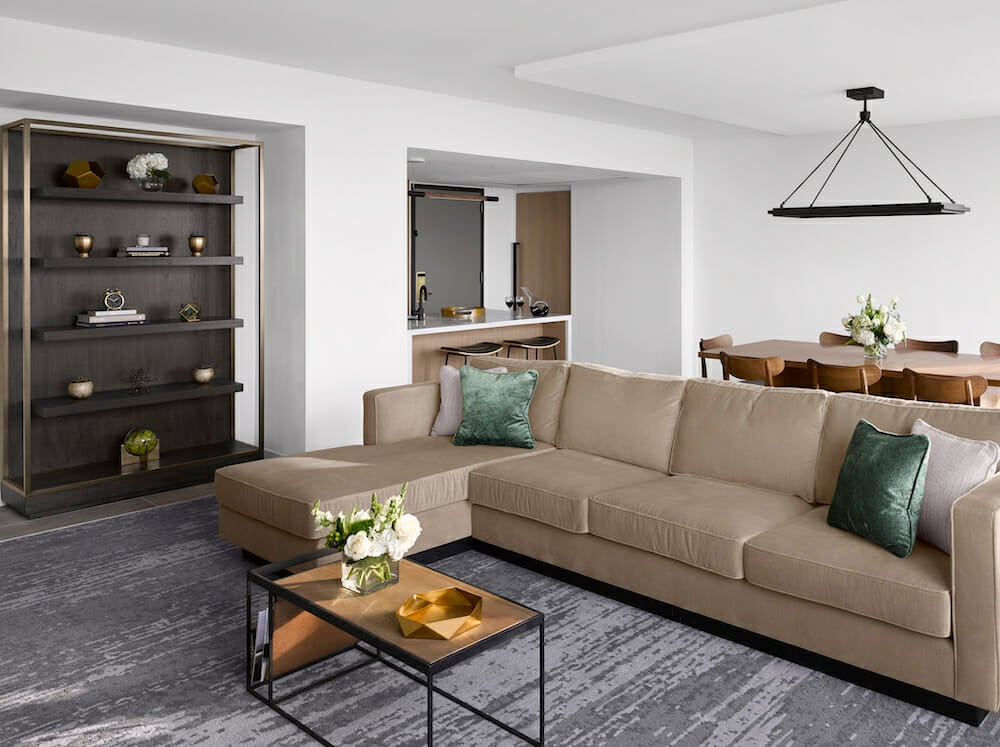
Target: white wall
(627, 274)
(355, 141)
(498, 255)
(760, 277)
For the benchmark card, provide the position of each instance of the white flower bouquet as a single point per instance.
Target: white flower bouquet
(876, 328)
(148, 166)
(373, 541)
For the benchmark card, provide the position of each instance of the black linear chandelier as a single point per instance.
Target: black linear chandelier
(812, 210)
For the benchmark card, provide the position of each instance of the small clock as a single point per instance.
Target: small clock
(114, 299)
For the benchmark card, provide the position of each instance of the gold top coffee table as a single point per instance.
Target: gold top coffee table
(312, 618)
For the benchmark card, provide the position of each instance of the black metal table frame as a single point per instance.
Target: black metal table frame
(377, 652)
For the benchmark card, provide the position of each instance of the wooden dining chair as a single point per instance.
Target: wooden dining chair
(992, 396)
(939, 346)
(959, 390)
(832, 338)
(755, 370)
(707, 343)
(842, 378)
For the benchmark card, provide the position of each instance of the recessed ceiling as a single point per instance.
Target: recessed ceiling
(447, 46)
(468, 170)
(685, 66)
(787, 73)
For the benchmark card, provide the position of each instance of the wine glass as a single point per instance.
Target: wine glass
(519, 301)
(509, 300)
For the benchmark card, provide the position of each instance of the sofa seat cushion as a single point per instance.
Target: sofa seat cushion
(554, 487)
(695, 520)
(280, 492)
(809, 559)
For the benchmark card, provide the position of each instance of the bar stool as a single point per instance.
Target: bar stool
(471, 351)
(534, 343)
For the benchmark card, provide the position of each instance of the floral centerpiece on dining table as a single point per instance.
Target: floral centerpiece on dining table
(875, 328)
(372, 540)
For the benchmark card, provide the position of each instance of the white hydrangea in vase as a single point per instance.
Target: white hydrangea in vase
(150, 169)
(875, 328)
(373, 541)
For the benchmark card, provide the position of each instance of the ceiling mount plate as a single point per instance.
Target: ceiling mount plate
(868, 93)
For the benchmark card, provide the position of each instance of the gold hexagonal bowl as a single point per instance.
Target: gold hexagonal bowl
(441, 614)
(83, 174)
(205, 184)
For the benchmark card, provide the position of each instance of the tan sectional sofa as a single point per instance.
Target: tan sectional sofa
(709, 496)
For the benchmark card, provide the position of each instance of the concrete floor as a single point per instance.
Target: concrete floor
(12, 524)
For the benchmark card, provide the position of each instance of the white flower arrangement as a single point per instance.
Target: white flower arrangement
(147, 165)
(876, 328)
(370, 538)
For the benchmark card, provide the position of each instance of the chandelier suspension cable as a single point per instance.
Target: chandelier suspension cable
(889, 141)
(837, 162)
(818, 165)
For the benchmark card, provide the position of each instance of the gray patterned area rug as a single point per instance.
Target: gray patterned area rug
(130, 631)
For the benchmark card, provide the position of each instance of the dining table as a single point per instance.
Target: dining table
(796, 353)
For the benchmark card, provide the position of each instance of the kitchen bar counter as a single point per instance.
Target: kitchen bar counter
(427, 337)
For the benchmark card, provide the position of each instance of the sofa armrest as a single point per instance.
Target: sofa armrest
(400, 413)
(975, 569)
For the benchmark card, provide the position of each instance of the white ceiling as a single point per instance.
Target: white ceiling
(684, 66)
(787, 73)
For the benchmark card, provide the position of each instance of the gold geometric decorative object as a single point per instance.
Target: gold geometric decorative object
(190, 312)
(83, 174)
(441, 614)
(205, 184)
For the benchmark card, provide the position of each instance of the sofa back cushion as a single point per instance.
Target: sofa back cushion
(762, 437)
(894, 416)
(546, 405)
(630, 417)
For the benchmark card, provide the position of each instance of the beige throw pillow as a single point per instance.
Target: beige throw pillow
(449, 417)
(955, 466)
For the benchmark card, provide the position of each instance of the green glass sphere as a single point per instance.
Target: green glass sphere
(140, 441)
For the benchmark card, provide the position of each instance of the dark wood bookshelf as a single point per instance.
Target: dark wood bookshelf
(137, 195)
(55, 407)
(157, 327)
(90, 263)
(60, 453)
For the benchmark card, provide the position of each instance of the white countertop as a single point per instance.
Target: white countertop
(434, 324)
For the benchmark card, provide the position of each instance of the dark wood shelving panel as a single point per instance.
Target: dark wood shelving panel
(60, 453)
(125, 195)
(54, 407)
(159, 327)
(169, 460)
(91, 263)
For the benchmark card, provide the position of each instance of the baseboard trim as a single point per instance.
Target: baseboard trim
(908, 693)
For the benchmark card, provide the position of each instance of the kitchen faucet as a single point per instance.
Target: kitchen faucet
(421, 297)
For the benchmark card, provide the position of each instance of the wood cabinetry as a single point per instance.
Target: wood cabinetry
(543, 251)
(59, 453)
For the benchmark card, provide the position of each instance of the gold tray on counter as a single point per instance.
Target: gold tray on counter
(470, 313)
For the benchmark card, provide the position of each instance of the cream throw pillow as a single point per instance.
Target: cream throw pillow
(955, 466)
(449, 417)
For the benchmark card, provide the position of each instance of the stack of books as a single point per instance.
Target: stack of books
(107, 318)
(144, 251)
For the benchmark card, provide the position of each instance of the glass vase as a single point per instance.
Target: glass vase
(152, 183)
(368, 574)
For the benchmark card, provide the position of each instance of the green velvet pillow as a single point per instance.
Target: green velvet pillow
(495, 408)
(881, 487)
